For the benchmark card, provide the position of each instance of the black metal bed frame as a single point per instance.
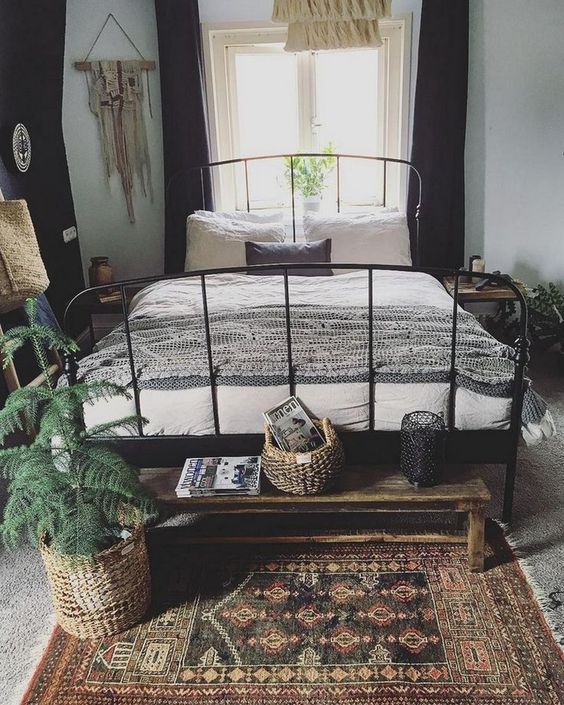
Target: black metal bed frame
(412, 172)
(371, 446)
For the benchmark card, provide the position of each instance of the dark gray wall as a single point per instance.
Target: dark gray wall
(32, 41)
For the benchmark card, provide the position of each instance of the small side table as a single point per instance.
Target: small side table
(89, 305)
(467, 293)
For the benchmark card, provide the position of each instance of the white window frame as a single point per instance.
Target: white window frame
(218, 62)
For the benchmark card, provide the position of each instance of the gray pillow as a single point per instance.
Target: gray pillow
(289, 253)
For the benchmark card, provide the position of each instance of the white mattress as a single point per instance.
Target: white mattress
(189, 411)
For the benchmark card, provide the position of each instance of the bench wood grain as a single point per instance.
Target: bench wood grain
(361, 489)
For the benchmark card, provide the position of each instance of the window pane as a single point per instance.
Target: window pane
(347, 100)
(267, 99)
(348, 116)
(268, 122)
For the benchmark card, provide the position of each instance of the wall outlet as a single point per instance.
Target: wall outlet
(69, 234)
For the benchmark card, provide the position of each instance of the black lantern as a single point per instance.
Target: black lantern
(422, 448)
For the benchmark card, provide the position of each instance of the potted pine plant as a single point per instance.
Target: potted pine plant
(75, 498)
(310, 174)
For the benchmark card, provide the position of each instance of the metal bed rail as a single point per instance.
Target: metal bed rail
(507, 453)
(338, 157)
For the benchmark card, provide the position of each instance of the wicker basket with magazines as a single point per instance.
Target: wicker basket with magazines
(304, 473)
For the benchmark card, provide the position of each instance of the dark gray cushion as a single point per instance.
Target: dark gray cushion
(289, 253)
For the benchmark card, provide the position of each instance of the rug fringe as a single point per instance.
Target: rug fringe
(527, 567)
(36, 653)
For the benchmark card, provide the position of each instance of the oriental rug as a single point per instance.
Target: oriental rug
(379, 623)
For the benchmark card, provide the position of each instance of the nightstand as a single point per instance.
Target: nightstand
(501, 295)
(467, 293)
(102, 317)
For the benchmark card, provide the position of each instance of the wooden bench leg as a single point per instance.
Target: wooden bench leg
(476, 520)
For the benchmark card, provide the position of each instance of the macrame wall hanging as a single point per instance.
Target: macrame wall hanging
(115, 90)
(331, 24)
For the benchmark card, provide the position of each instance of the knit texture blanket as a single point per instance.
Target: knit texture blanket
(328, 345)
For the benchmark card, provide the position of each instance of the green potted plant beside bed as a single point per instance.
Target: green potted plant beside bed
(75, 498)
(546, 318)
(310, 174)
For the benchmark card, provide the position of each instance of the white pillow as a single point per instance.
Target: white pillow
(250, 217)
(219, 242)
(362, 238)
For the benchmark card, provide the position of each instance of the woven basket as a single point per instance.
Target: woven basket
(98, 597)
(22, 272)
(287, 474)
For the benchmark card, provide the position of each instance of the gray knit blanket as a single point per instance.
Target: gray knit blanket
(328, 345)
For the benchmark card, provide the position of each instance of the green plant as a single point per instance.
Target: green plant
(546, 315)
(64, 484)
(310, 172)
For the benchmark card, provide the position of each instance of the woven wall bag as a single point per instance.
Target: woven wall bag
(22, 272)
(311, 477)
(100, 596)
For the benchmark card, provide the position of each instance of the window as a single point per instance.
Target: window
(263, 100)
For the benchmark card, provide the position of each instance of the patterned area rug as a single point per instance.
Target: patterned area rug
(384, 624)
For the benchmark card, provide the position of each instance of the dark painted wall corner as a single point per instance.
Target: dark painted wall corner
(32, 42)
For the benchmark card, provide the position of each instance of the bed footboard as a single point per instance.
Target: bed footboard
(366, 447)
(361, 448)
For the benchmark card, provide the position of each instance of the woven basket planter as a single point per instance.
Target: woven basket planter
(312, 477)
(98, 597)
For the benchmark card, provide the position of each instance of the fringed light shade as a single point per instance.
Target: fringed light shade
(331, 24)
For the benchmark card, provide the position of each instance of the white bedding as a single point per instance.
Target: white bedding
(232, 291)
(189, 411)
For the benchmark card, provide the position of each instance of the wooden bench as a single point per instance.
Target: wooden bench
(358, 489)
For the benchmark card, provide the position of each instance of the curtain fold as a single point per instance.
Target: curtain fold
(185, 134)
(439, 131)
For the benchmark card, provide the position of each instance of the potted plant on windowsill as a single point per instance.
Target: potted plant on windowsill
(310, 174)
(76, 499)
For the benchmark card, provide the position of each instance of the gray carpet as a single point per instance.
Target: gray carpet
(537, 532)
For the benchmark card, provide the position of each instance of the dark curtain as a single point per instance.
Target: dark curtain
(184, 122)
(439, 131)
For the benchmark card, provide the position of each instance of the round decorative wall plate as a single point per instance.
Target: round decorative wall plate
(21, 147)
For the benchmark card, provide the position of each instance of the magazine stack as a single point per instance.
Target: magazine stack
(227, 477)
(292, 427)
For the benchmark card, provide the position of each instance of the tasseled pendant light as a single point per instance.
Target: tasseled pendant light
(331, 24)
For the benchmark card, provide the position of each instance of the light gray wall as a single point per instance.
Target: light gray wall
(239, 11)
(515, 137)
(514, 158)
(104, 229)
(136, 249)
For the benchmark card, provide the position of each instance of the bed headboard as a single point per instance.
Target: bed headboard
(210, 172)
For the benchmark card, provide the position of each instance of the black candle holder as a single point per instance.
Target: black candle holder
(423, 437)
